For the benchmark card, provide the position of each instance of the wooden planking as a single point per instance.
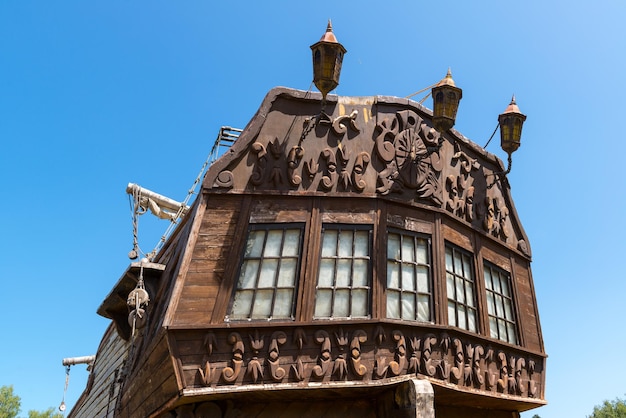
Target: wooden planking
(152, 382)
(109, 358)
(527, 307)
(208, 261)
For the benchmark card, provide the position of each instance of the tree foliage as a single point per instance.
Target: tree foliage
(10, 405)
(610, 409)
(48, 413)
(9, 402)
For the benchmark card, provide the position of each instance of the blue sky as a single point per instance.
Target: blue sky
(97, 94)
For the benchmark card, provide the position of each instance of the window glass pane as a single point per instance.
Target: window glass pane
(467, 267)
(422, 251)
(329, 243)
(283, 303)
(344, 272)
(488, 284)
(341, 307)
(268, 273)
(345, 244)
(471, 320)
(393, 246)
(393, 275)
(449, 264)
(327, 273)
(359, 273)
(423, 283)
(273, 243)
(242, 304)
(502, 328)
(287, 274)
(393, 304)
(361, 244)
(323, 302)
(249, 270)
(491, 305)
(499, 306)
(496, 284)
(450, 286)
(469, 293)
(408, 249)
(254, 246)
(408, 277)
(291, 246)
(460, 293)
(262, 304)
(451, 313)
(458, 265)
(505, 286)
(508, 310)
(359, 303)
(511, 333)
(408, 306)
(423, 308)
(493, 327)
(462, 316)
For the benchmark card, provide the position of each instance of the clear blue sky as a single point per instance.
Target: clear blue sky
(96, 94)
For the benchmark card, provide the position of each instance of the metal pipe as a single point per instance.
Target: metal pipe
(71, 361)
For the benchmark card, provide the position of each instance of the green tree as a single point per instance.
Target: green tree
(9, 402)
(610, 409)
(48, 413)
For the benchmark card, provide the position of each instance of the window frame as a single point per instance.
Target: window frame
(510, 324)
(369, 228)
(267, 227)
(454, 299)
(403, 234)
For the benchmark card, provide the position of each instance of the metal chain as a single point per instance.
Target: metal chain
(62, 407)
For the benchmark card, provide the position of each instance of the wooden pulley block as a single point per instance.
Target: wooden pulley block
(137, 318)
(138, 297)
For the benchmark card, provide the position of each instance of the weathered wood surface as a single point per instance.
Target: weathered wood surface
(100, 397)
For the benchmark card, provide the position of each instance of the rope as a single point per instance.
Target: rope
(62, 407)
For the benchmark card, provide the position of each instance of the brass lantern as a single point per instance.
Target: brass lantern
(446, 98)
(327, 59)
(511, 122)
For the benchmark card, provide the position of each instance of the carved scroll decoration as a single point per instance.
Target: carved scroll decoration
(293, 161)
(230, 374)
(330, 177)
(225, 179)
(399, 363)
(380, 367)
(278, 338)
(358, 171)
(343, 156)
(496, 216)
(339, 126)
(459, 360)
(323, 339)
(409, 148)
(266, 169)
(358, 337)
(460, 188)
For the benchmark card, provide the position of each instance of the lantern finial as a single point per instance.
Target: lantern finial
(327, 58)
(446, 98)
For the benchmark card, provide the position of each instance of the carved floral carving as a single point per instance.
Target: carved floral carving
(323, 339)
(278, 338)
(255, 366)
(409, 148)
(496, 216)
(341, 366)
(359, 337)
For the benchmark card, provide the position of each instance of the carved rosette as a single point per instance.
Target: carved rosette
(409, 148)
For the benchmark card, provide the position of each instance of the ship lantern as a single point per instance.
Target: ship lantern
(327, 59)
(446, 98)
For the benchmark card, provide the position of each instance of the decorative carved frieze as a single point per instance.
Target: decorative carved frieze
(363, 353)
(460, 186)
